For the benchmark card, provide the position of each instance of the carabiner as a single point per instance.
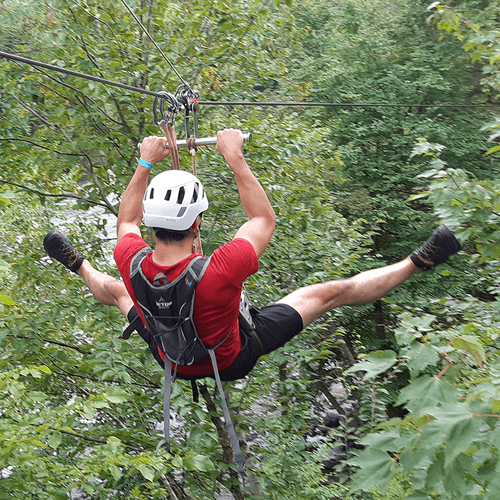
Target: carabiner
(173, 107)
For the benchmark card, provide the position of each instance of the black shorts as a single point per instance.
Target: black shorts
(275, 325)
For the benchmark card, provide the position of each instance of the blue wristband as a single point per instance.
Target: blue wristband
(145, 163)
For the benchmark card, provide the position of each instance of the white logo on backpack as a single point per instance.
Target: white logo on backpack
(163, 304)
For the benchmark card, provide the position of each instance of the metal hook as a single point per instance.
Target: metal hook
(173, 107)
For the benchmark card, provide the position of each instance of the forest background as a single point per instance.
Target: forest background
(414, 379)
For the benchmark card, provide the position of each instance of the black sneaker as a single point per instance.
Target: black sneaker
(59, 248)
(441, 245)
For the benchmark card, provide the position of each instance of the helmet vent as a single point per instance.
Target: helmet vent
(168, 195)
(181, 194)
(181, 211)
(152, 193)
(195, 193)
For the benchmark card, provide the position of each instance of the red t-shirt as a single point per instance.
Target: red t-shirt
(217, 299)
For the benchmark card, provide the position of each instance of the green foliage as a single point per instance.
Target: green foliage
(469, 205)
(369, 60)
(475, 25)
(80, 408)
(447, 441)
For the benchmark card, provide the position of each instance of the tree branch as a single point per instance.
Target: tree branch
(50, 195)
(87, 165)
(74, 89)
(331, 398)
(92, 439)
(13, 139)
(55, 342)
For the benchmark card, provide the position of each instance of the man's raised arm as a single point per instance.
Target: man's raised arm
(262, 219)
(153, 150)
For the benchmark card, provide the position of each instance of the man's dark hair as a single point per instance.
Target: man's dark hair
(169, 236)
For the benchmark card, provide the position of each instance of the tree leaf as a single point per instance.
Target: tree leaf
(198, 462)
(460, 438)
(374, 470)
(419, 356)
(472, 346)
(55, 440)
(374, 364)
(116, 395)
(115, 471)
(146, 472)
(6, 300)
(426, 392)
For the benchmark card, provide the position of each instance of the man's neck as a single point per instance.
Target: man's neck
(168, 254)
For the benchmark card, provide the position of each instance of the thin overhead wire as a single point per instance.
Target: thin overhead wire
(343, 104)
(32, 62)
(155, 44)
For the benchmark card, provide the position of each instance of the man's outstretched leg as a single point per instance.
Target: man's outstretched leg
(314, 300)
(106, 289)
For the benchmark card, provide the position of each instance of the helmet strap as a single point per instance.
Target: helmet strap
(197, 238)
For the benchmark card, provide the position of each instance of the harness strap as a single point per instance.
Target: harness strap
(134, 265)
(192, 149)
(159, 278)
(196, 392)
(167, 391)
(131, 328)
(191, 144)
(235, 444)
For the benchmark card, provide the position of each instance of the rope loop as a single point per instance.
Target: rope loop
(168, 129)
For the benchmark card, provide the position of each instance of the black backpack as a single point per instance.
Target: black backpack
(168, 311)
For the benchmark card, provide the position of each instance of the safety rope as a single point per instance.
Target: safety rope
(168, 129)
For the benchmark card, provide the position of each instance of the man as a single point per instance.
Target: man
(172, 205)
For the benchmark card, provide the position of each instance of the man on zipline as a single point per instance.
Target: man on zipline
(172, 205)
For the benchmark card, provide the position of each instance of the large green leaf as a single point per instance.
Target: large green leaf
(375, 363)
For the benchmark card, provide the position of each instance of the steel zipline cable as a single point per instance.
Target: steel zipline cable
(34, 63)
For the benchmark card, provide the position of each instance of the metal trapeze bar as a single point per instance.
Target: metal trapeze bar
(207, 141)
(203, 141)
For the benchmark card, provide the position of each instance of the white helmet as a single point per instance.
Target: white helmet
(173, 200)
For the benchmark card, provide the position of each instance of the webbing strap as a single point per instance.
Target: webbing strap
(167, 392)
(131, 328)
(235, 445)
